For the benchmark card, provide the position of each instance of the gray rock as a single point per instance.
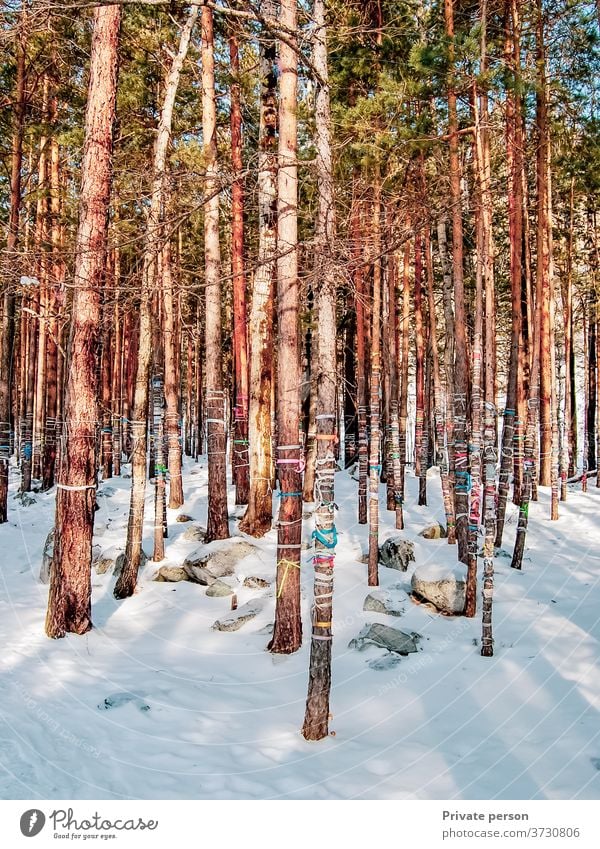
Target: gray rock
(254, 583)
(47, 558)
(119, 699)
(205, 566)
(183, 517)
(218, 589)
(239, 617)
(397, 553)
(382, 602)
(385, 637)
(195, 533)
(386, 661)
(433, 531)
(441, 587)
(112, 559)
(172, 574)
(106, 492)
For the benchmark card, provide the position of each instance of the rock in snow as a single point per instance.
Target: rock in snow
(171, 574)
(254, 583)
(397, 553)
(380, 601)
(441, 585)
(433, 531)
(204, 566)
(384, 637)
(239, 617)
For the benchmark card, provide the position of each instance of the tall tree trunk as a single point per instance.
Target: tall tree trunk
(172, 381)
(258, 517)
(515, 239)
(217, 525)
(461, 370)
(316, 719)
(69, 600)
(439, 401)
(375, 386)
(358, 273)
(127, 580)
(403, 368)
(543, 251)
(420, 438)
(240, 340)
(287, 634)
(8, 304)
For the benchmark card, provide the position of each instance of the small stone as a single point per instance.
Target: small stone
(183, 517)
(106, 492)
(382, 602)
(218, 589)
(397, 553)
(172, 574)
(238, 618)
(120, 699)
(125, 475)
(385, 637)
(254, 583)
(433, 531)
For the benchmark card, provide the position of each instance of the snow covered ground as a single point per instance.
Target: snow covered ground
(198, 713)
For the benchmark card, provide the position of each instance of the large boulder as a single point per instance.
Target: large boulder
(205, 566)
(434, 531)
(47, 556)
(384, 637)
(379, 601)
(239, 617)
(397, 553)
(443, 586)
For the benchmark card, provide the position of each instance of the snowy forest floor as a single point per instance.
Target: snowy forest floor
(199, 713)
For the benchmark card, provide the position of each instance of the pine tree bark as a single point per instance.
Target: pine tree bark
(375, 387)
(217, 524)
(287, 633)
(69, 601)
(316, 719)
(240, 336)
(461, 370)
(258, 517)
(8, 303)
